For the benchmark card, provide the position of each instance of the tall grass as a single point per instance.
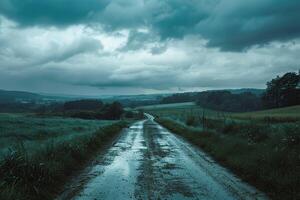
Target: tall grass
(40, 174)
(264, 155)
(35, 132)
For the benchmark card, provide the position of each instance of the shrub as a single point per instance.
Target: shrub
(191, 121)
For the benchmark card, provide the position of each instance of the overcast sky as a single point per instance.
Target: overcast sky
(96, 47)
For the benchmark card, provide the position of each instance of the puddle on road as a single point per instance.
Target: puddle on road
(114, 177)
(148, 162)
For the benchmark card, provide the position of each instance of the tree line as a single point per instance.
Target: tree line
(280, 92)
(93, 109)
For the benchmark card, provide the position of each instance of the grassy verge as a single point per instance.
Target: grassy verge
(267, 159)
(40, 175)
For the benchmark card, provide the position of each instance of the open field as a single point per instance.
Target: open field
(291, 113)
(34, 132)
(179, 111)
(166, 106)
(38, 155)
(182, 111)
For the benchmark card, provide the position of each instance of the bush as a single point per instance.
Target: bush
(191, 121)
(85, 104)
(230, 128)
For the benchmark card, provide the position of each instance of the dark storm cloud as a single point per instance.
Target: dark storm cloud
(50, 12)
(235, 25)
(146, 44)
(229, 24)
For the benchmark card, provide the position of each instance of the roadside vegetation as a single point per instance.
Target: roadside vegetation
(39, 154)
(262, 147)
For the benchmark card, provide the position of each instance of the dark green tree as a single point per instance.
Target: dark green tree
(113, 111)
(283, 91)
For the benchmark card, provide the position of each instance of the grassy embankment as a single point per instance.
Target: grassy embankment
(38, 155)
(262, 147)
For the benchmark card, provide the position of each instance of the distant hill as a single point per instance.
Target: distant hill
(17, 96)
(234, 100)
(242, 90)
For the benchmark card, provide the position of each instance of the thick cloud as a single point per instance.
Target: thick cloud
(137, 46)
(51, 12)
(232, 25)
(235, 25)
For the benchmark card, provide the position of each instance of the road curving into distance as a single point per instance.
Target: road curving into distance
(149, 162)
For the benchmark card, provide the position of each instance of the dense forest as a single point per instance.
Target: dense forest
(92, 109)
(226, 101)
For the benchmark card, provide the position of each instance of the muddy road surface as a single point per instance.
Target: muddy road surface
(149, 162)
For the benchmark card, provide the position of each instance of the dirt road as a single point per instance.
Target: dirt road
(149, 162)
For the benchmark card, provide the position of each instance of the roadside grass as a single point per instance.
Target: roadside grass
(266, 156)
(37, 165)
(262, 147)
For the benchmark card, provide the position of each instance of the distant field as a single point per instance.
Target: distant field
(171, 105)
(292, 112)
(34, 131)
(181, 111)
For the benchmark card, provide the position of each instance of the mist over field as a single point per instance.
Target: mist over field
(149, 99)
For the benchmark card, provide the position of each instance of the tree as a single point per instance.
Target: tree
(84, 104)
(113, 111)
(226, 101)
(283, 91)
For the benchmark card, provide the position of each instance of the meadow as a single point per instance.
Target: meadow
(184, 111)
(169, 106)
(262, 147)
(34, 132)
(39, 154)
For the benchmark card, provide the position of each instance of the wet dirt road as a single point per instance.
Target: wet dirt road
(149, 162)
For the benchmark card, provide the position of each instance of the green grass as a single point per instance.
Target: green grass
(34, 132)
(40, 154)
(180, 111)
(291, 113)
(183, 111)
(262, 147)
(171, 105)
(266, 158)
